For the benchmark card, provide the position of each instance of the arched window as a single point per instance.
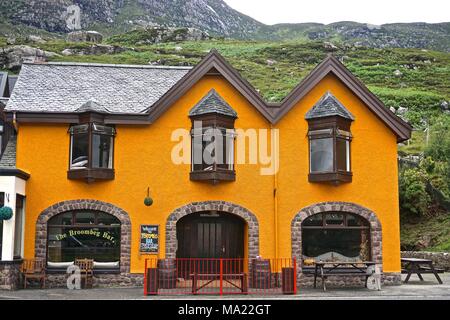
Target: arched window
(84, 234)
(336, 236)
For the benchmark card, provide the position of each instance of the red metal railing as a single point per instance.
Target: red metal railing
(220, 276)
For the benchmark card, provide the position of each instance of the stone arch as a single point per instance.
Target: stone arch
(369, 215)
(223, 206)
(85, 204)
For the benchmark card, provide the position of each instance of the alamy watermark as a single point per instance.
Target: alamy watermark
(207, 146)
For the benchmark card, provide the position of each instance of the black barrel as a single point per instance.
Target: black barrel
(167, 273)
(261, 275)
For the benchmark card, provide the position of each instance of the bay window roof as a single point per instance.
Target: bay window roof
(328, 106)
(212, 103)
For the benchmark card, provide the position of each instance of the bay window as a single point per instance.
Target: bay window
(213, 138)
(329, 142)
(91, 152)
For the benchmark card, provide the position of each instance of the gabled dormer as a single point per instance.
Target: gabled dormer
(212, 139)
(91, 145)
(329, 141)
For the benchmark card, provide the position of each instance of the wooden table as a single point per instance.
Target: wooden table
(210, 277)
(341, 269)
(419, 266)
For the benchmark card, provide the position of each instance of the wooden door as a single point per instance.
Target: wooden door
(211, 236)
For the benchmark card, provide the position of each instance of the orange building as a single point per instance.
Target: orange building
(121, 163)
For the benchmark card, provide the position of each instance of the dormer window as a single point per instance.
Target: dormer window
(329, 141)
(212, 140)
(91, 151)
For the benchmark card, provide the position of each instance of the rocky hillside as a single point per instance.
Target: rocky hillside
(398, 35)
(214, 16)
(115, 16)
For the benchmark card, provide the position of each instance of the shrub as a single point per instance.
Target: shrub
(414, 199)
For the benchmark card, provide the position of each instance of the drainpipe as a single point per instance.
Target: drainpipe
(275, 192)
(14, 122)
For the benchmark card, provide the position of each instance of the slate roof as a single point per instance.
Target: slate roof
(328, 106)
(92, 106)
(8, 160)
(212, 102)
(65, 87)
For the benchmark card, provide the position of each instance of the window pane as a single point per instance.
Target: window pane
(85, 217)
(81, 129)
(355, 221)
(99, 242)
(80, 151)
(107, 219)
(334, 219)
(342, 154)
(228, 151)
(66, 244)
(321, 155)
(102, 151)
(314, 221)
(62, 219)
(98, 128)
(335, 244)
(18, 227)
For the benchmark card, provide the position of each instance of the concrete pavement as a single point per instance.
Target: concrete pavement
(415, 289)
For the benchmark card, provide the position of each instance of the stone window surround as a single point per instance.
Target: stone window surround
(222, 206)
(375, 226)
(85, 204)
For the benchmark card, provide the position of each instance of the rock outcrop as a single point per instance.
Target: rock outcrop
(12, 57)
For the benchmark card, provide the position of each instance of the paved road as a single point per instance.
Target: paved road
(415, 289)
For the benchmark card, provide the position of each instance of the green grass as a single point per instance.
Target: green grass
(422, 87)
(436, 229)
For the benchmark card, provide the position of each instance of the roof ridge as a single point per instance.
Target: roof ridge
(108, 65)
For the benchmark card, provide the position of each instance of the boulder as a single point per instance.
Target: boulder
(95, 49)
(85, 36)
(35, 39)
(12, 57)
(398, 73)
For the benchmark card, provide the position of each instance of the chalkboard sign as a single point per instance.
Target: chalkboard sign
(149, 239)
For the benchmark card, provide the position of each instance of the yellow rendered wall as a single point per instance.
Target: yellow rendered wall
(143, 159)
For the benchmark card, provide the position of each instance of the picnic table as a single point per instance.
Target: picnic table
(324, 269)
(420, 266)
(226, 277)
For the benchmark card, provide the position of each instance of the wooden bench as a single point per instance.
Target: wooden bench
(420, 266)
(227, 277)
(325, 269)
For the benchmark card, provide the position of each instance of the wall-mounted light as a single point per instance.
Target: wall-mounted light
(148, 201)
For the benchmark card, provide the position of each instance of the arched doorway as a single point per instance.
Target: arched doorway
(251, 234)
(210, 234)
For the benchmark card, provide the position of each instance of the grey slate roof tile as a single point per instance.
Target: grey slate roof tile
(212, 103)
(65, 87)
(92, 106)
(8, 160)
(328, 106)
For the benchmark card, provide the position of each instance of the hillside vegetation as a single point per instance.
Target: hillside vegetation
(414, 83)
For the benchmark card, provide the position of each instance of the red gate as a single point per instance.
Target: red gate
(220, 276)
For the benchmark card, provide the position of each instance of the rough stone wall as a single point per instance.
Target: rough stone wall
(440, 259)
(9, 275)
(307, 280)
(100, 281)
